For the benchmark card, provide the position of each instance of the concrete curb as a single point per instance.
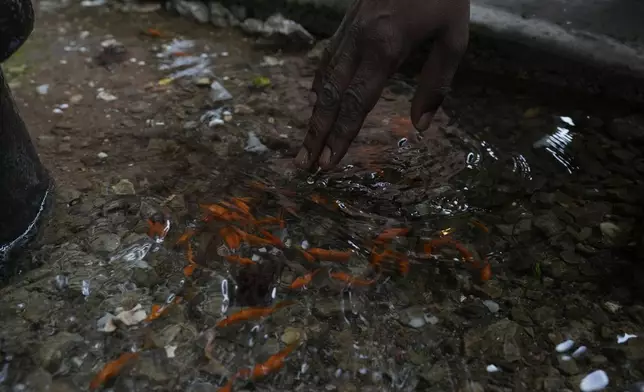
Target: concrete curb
(579, 45)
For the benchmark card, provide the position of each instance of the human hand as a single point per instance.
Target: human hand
(373, 40)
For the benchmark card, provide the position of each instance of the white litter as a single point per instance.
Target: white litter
(595, 381)
(169, 351)
(625, 338)
(43, 89)
(132, 316)
(254, 144)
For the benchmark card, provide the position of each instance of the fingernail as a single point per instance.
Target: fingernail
(425, 121)
(302, 158)
(313, 97)
(325, 158)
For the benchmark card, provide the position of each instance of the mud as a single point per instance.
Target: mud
(548, 193)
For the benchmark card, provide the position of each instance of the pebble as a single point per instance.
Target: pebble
(625, 338)
(564, 346)
(102, 155)
(581, 350)
(291, 335)
(107, 243)
(595, 381)
(124, 187)
(609, 229)
(492, 306)
(169, 351)
(492, 369)
(132, 316)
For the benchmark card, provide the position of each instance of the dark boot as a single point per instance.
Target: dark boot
(24, 182)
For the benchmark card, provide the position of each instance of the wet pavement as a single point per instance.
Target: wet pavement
(500, 252)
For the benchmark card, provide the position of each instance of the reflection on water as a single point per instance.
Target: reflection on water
(556, 145)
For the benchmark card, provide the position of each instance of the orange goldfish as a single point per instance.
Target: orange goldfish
(486, 272)
(253, 240)
(231, 237)
(330, 255)
(273, 363)
(309, 257)
(251, 314)
(111, 370)
(157, 229)
(351, 280)
(239, 260)
(185, 236)
(390, 234)
(303, 280)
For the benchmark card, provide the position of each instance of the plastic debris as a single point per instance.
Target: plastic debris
(564, 346)
(43, 89)
(85, 288)
(212, 117)
(218, 93)
(277, 25)
(595, 381)
(625, 338)
(169, 351)
(132, 316)
(254, 144)
(106, 323)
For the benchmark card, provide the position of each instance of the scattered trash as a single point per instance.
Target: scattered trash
(43, 89)
(595, 381)
(277, 26)
(105, 96)
(85, 288)
(254, 144)
(218, 93)
(169, 351)
(132, 316)
(106, 323)
(212, 117)
(176, 56)
(625, 338)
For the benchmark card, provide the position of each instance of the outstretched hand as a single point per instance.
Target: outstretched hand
(374, 39)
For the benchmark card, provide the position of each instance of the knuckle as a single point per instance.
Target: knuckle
(330, 95)
(353, 102)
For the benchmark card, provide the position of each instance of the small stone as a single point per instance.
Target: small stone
(567, 365)
(76, 98)
(549, 224)
(102, 155)
(595, 381)
(492, 306)
(492, 369)
(105, 243)
(571, 257)
(612, 307)
(203, 82)
(54, 349)
(124, 187)
(195, 10)
(292, 335)
(565, 346)
(609, 230)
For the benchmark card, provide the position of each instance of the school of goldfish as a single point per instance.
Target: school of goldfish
(239, 225)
